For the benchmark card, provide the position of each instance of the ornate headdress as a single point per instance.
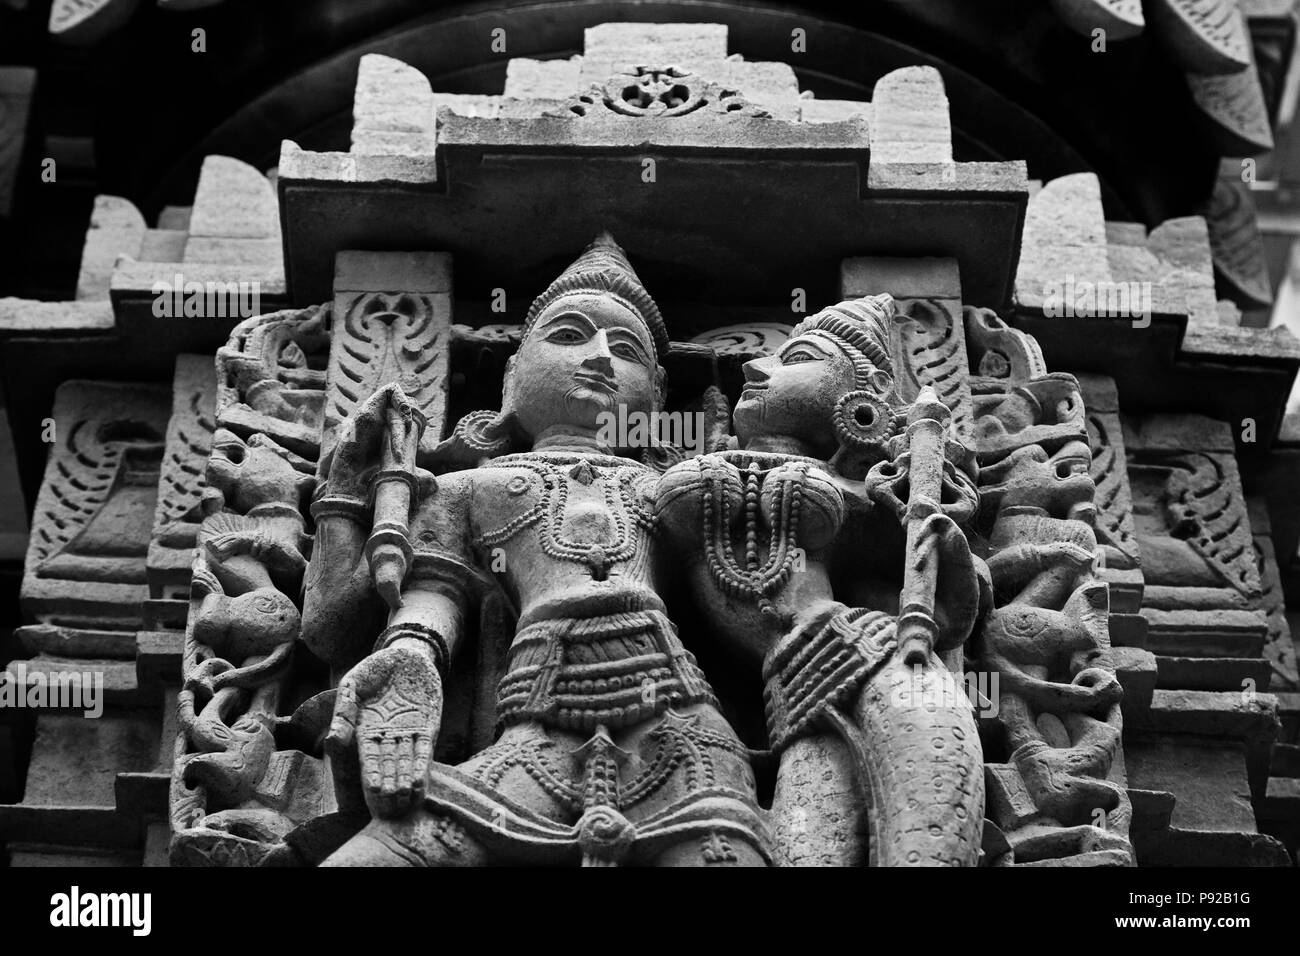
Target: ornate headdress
(603, 268)
(860, 328)
(866, 417)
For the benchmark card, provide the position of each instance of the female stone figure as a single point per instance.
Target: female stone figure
(612, 749)
(794, 557)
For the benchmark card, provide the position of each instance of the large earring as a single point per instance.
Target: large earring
(480, 435)
(486, 432)
(863, 424)
(862, 418)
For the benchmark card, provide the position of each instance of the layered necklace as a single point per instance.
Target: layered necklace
(753, 580)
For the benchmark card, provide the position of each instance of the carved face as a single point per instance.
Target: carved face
(250, 473)
(793, 392)
(586, 355)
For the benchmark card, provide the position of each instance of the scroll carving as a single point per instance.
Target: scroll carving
(1279, 648)
(178, 513)
(1205, 509)
(932, 349)
(1114, 522)
(97, 502)
(383, 337)
(746, 341)
(1198, 555)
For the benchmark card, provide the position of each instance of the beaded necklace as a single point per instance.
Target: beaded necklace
(550, 510)
(753, 581)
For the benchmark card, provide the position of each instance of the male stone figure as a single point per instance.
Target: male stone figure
(613, 750)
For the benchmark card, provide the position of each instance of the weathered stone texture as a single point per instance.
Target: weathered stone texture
(315, 553)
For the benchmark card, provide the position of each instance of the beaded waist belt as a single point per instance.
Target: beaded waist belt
(615, 669)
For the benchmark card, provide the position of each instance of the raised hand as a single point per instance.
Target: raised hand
(357, 451)
(387, 716)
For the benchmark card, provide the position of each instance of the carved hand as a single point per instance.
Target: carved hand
(387, 715)
(962, 589)
(358, 447)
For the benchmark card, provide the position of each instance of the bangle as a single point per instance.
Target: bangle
(341, 505)
(419, 632)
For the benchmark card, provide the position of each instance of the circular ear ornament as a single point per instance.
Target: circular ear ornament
(862, 419)
(485, 432)
(478, 436)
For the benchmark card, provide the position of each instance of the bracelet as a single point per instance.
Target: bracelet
(341, 505)
(420, 632)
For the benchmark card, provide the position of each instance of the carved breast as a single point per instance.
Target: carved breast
(780, 495)
(794, 493)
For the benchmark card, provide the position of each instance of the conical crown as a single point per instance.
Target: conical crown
(603, 269)
(860, 327)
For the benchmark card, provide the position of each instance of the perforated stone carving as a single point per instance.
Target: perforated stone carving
(661, 91)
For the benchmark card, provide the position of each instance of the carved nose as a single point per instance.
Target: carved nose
(754, 372)
(601, 363)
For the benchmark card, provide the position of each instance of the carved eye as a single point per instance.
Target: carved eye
(1023, 624)
(233, 453)
(625, 350)
(566, 336)
(798, 355)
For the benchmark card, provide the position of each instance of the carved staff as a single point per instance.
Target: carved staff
(388, 549)
(927, 433)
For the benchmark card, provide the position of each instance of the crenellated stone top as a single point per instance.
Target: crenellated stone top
(646, 72)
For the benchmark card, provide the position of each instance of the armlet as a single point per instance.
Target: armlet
(439, 564)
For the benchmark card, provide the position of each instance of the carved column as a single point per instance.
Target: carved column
(393, 324)
(232, 790)
(1059, 797)
(1207, 627)
(87, 589)
(246, 774)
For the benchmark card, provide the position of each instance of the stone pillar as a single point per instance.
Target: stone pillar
(92, 673)
(392, 324)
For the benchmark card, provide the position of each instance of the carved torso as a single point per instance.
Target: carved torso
(563, 532)
(756, 530)
(568, 537)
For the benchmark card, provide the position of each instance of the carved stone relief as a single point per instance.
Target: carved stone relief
(1202, 582)
(181, 483)
(1059, 795)
(96, 506)
(660, 91)
(534, 572)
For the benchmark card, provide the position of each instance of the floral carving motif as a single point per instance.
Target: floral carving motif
(660, 91)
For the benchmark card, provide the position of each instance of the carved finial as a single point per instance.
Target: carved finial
(928, 406)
